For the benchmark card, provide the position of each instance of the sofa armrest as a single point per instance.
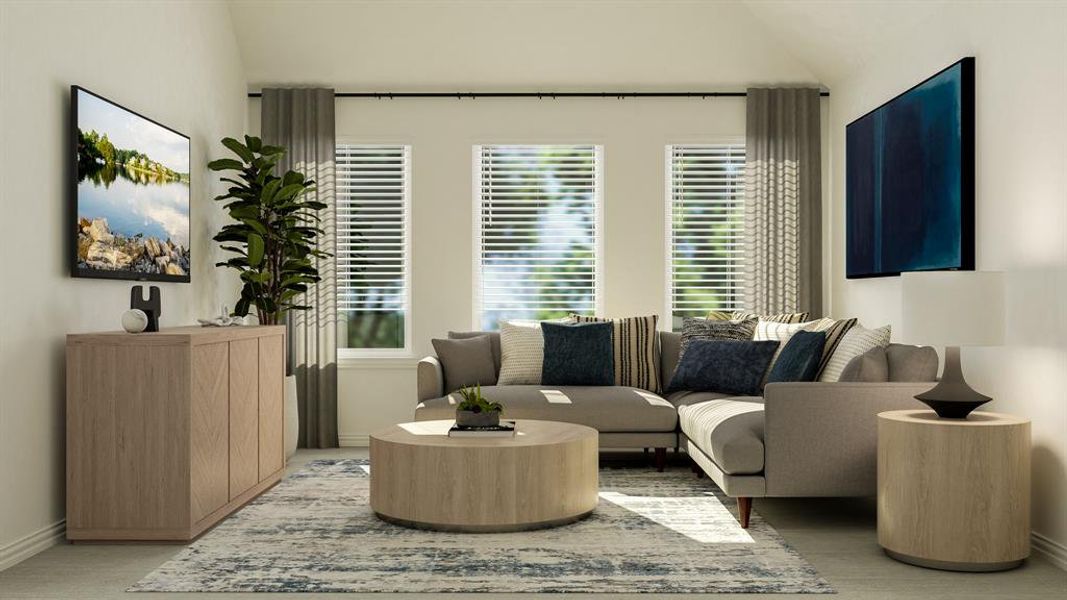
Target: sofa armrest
(821, 439)
(431, 378)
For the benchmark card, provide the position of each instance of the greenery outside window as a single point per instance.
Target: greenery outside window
(537, 226)
(705, 229)
(373, 249)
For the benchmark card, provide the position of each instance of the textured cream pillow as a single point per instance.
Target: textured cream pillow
(522, 351)
(857, 341)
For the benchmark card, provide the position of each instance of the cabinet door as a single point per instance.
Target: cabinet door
(208, 434)
(271, 374)
(244, 415)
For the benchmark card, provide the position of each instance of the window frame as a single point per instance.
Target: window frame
(476, 220)
(667, 323)
(345, 354)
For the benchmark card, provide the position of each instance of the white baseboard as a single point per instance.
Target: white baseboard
(353, 440)
(1053, 550)
(25, 547)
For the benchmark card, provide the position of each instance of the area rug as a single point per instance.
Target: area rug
(652, 532)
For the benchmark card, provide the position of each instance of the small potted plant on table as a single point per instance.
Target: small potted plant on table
(476, 410)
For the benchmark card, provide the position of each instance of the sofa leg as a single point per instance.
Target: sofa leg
(744, 510)
(661, 459)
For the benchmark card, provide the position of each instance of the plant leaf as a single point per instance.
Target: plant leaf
(224, 164)
(255, 249)
(239, 149)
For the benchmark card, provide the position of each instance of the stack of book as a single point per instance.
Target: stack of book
(504, 429)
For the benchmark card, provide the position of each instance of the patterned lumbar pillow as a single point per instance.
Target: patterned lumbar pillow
(855, 342)
(702, 329)
(522, 352)
(578, 354)
(742, 315)
(636, 347)
(725, 366)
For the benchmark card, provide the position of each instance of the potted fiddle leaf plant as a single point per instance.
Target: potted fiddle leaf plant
(274, 232)
(476, 410)
(273, 237)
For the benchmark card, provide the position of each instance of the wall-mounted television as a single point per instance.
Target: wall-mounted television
(130, 194)
(909, 179)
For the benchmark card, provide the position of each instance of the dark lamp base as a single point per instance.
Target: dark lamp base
(952, 398)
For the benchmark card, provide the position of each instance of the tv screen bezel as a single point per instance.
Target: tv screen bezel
(72, 224)
(967, 169)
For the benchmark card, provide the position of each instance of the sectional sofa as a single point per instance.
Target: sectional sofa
(799, 439)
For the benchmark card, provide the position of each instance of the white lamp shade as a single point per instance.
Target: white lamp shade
(953, 308)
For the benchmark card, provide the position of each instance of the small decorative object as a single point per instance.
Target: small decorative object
(134, 320)
(953, 309)
(476, 410)
(274, 233)
(223, 320)
(151, 307)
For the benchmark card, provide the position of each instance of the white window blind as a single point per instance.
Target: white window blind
(705, 206)
(537, 212)
(373, 245)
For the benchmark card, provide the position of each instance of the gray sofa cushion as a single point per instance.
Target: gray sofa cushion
(870, 367)
(494, 342)
(685, 398)
(729, 431)
(605, 408)
(466, 361)
(670, 346)
(912, 363)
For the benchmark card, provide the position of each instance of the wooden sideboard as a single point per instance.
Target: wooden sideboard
(170, 432)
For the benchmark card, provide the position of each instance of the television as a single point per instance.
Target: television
(130, 193)
(909, 180)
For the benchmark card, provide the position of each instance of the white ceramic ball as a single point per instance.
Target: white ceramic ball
(134, 320)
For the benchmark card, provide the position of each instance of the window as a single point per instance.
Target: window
(705, 214)
(537, 231)
(373, 247)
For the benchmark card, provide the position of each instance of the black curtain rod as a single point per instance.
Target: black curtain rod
(461, 95)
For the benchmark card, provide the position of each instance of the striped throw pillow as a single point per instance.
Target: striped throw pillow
(855, 342)
(704, 329)
(741, 315)
(835, 331)
(636, 346)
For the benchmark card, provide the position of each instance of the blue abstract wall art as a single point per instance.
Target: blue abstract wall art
(910, 179)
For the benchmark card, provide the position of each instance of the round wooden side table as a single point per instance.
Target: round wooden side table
(954, 493)
(546, 475)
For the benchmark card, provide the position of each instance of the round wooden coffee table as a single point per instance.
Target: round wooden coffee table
(546, 475)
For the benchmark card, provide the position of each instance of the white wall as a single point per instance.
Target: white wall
(1021, 209)
(176, 62)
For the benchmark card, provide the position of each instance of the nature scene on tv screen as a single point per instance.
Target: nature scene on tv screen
(132, 193)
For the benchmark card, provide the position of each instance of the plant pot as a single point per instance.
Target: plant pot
(467, 418)
(292, 417)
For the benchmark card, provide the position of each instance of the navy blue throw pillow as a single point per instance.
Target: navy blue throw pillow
(728, 367)
(799, 360)
(578, 354)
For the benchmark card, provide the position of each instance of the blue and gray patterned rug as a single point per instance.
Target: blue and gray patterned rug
(652, 532)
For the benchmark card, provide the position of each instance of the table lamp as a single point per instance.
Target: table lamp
(953, 309)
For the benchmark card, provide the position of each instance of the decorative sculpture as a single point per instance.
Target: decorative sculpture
(151, 307)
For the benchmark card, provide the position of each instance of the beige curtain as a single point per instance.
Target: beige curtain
(783, 202)
(302, 121)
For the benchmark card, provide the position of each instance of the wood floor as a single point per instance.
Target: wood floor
(837, 536)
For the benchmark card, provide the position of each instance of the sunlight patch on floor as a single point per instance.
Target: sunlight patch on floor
(700, 518)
